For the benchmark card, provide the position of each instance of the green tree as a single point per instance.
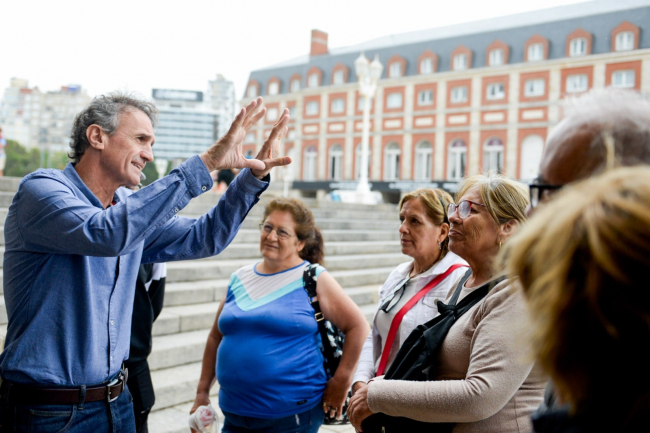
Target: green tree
(20, 161)
(151, 173)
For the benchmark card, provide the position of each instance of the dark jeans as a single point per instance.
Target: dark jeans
(305, 422)
(94, 417)
(141, 388)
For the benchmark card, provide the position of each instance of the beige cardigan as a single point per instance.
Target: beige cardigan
(487, 380)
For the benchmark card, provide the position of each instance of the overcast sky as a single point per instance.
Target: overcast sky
(138, 45)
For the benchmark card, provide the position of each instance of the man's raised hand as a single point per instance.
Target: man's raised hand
(227, 151)
(269, 151)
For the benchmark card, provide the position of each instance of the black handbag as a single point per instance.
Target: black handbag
(417, 357)
(332, 339)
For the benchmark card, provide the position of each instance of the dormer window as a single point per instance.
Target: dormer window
(578, 47)
(535, 52)
(625, 41)
(496, 57)
(312, 80)
(395, 70)
(274, 88)
(295, 85)
(426, 66)
(252, 91)
(460, 62)
(339, 77)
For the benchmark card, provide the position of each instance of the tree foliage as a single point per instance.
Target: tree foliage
(22, 161)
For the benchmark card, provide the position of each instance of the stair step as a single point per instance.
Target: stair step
(253, 235)
(185, 318)
(214, 268)
(177, 349)
(177, 385)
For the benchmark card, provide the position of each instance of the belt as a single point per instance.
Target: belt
(21, 395)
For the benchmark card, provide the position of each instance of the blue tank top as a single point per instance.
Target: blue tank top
(269, 363)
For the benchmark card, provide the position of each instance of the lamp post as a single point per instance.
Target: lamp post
(368, 75)
(161, 167)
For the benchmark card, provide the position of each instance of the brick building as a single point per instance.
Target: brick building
(451, 101)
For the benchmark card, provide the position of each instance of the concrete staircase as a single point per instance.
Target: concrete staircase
(362, 247)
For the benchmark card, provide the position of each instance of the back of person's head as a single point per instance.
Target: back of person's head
(583, 262)
(105, 111)
(306, 230)
(616, 122)
(435, 203)
(504, 198)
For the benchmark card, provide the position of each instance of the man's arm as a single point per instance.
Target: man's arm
(187, 238)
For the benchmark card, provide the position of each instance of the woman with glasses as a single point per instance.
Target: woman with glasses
(264, 347)
(423, 236)
(483, 378)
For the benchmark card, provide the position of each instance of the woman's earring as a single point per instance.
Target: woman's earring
(439, 245)
(499, 243)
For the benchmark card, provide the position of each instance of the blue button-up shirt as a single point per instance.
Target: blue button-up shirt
(70, 265)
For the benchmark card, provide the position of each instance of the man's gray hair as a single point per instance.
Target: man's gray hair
(105, 111)
(620, 120)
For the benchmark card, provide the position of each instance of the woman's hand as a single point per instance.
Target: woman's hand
(334, 396)
(357, 386)
(358, 409)
(200, 400)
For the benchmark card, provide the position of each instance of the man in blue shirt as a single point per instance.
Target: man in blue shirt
(74, 242)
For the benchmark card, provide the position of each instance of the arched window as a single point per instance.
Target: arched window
(309, 164)
(357, 161)
(531, 155)
(493, 155)
(456, 160)
(391, 164)
(336, 158)
(423, 156)
(295, 84)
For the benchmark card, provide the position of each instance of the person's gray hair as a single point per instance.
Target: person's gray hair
(105, 111)
(620, 120)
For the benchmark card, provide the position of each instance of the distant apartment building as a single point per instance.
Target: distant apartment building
(41, 119)
(186, 124)
(452, 101)
(221, 97)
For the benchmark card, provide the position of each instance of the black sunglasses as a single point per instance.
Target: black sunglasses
(393, 298)
(540, 191)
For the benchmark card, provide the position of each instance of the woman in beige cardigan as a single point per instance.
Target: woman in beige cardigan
(486, 380)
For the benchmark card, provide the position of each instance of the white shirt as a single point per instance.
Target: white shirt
(423, 311)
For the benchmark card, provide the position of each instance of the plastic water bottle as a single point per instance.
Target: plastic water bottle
(204, 419)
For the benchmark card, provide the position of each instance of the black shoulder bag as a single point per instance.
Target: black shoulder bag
(332, 339)
(417, 358)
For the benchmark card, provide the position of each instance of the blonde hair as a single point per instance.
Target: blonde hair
(582, 261)
(504, 198)
(435, 202)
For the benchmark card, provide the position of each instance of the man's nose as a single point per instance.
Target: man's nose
(147, 154)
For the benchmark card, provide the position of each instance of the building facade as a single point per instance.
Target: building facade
(186, 124)
(221, 97)
(41, 119)
(452, 101)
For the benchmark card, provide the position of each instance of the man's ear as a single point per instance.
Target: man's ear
(96, 137)
(508, 229)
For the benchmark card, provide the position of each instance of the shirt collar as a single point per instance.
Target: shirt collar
(70, 172)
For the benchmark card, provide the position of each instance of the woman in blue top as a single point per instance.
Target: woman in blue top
(266, 340)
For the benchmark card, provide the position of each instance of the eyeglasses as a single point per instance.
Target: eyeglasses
(540, 192)
(268, 228)
(464, 207)
(395, 295)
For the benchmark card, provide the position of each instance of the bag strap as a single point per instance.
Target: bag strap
(397, 320)
(309, 282)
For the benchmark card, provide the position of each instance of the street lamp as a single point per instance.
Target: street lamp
(161, 167)
(368, 75)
